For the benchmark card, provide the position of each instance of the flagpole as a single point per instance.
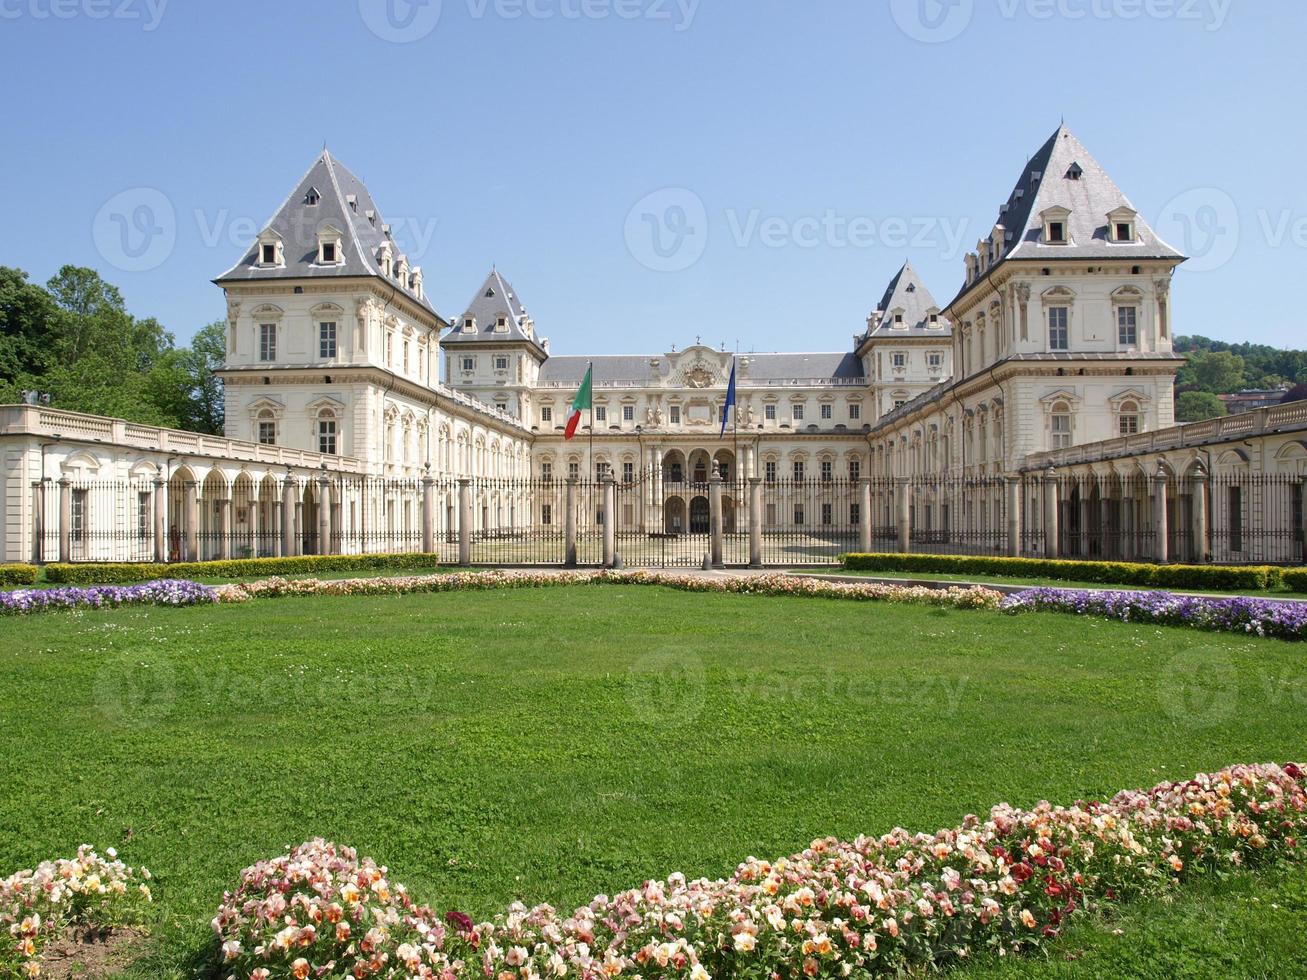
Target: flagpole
(591, 464)
(735, 422)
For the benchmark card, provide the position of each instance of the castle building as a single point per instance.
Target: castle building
(358, 417)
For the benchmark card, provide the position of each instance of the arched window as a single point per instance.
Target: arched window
(1060, 424)
(1128, 420)
(327, 432)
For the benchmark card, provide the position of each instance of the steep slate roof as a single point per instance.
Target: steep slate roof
(1089, 199)
(636, 368)
(907, 292)
(298, 223)
(494, 299)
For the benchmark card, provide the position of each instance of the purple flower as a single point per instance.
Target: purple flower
(165, 592)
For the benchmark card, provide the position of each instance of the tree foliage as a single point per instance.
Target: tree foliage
(75, 339)
(1196, 406)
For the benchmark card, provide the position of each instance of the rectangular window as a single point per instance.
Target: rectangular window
(1129, 425)
(469, 364)
(267, 433)
(501, 363)
(798, 413)
(827, 514)
(328, 253)
(769, 413)
(1058, 318)
(855, 513)
(674, 414)
(599, 516)
(546, 513)
(1127, 325)
(1236, 518)
(267, 341)
(1056, 233)
(855, 469)
(827, 471)
(798, 470)
(546, 471)
(546, 413)
(900, 361)
(1124, 232)
(327, 437)
(269, 254)
(935, 360)
(799, 517)
(406, 357)
(601, 414)
(827, 412)
(855, 412)
(326, 340)
(628, 413)
(628, 472)
(573, 470)
(769, 471)
(143, 512)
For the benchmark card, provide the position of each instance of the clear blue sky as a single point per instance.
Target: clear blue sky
(825, 141)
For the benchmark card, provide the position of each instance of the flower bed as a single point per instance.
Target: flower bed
(869, 906)
(1283, 620)
(38, 906)
(167, 592)
(775, 585)
(119, 573)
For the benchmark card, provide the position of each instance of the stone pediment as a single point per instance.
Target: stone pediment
(698, 367)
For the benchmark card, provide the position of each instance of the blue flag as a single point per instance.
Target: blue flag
(730, 400)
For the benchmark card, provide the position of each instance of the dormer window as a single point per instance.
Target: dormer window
(312, 197)
(270, 253)
(469, 324)
(1075, 173)
(501, 325)
(1057, 228)
(329, 246)
(1121, 225)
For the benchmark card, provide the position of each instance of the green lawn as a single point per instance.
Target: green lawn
(551, 744)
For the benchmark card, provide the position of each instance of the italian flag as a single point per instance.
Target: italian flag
(581, 402)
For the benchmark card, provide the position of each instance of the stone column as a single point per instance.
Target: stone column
(1105, 544)
(1052, 513)
(324, 515)
(610, 520)
(65, 520)
(465, 522)
(191, 531)
(569, 524)
(287, 517)
(755, 522)
(1200, 551)
(1084, 519)
(1161, 547)
(1012, 486)
(864, 509)
(903, 513)
(428, 513)
(224, 528)
(715, 517)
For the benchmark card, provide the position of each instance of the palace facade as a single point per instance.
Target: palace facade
(355, 411)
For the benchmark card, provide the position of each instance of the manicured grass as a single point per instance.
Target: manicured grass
(1278, 593)
(551, 744)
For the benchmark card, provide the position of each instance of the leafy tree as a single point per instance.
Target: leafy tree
(29, 317)
(1196, 406)
(1217, 372)
(185, 383)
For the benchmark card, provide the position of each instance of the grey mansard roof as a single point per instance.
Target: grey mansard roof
(494, 299)
(1049, 181)
(638, 369)
(343, 203)
(907, 294)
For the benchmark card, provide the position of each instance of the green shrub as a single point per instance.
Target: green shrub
(17, 574)
(123, 572)
(1200, 577)
(1296, 579)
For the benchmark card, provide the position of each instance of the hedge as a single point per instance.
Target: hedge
(1209, 577)
(1296, 579)
(17, 574)
(123, 572)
